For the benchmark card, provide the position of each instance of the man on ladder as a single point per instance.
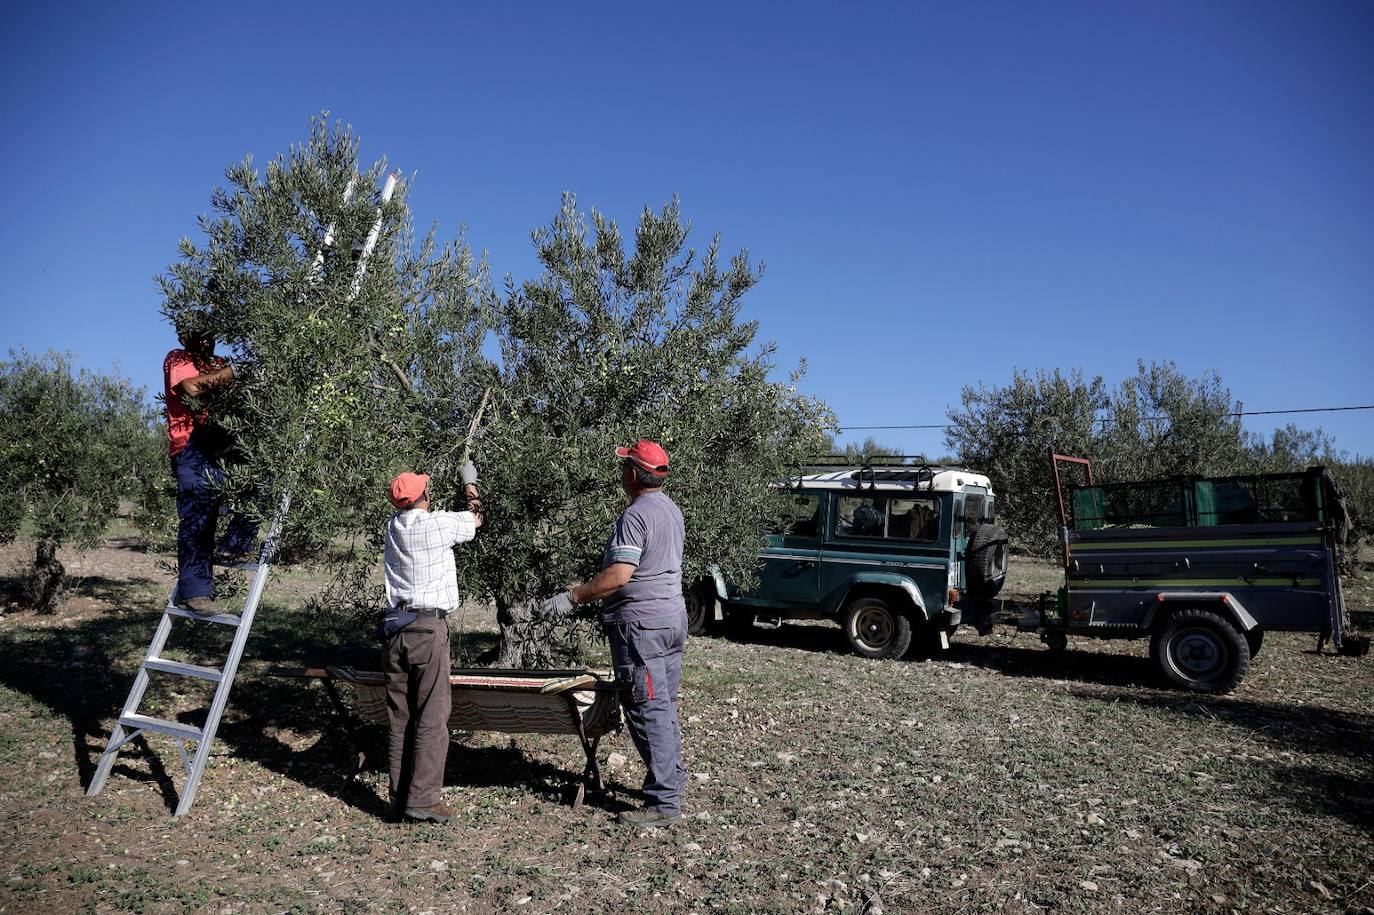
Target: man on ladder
(193, 372)
(197, 448)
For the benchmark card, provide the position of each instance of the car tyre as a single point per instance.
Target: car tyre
(1200, 651)
(876, 629)
(700, 600)
(987, 561)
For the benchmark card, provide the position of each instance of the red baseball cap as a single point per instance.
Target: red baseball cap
(647, 454)
(407, 488)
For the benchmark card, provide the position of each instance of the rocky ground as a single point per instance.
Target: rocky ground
(993, 778)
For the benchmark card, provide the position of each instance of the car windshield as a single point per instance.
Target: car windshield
(888, 518)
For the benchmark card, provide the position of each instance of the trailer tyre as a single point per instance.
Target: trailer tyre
(876, 629)
(987, 560)
(1200, 651)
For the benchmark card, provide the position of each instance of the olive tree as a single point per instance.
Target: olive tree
(71, 447)
(613, 342)
(342, 384)
(344, 378)
(866, 451)
(1161, 423)
(1008, 433)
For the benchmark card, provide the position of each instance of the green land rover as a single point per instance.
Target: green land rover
(891, 553)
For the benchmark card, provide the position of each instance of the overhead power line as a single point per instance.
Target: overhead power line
(1239, 413)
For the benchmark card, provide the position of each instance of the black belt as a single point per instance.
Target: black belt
(425, 613)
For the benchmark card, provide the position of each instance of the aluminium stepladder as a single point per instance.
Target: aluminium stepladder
(131, 723)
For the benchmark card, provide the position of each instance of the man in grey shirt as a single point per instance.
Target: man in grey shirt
(640, 586)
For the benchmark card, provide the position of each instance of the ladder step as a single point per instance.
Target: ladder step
(213, 674)
(161, 725)
(246, 566)
(228, 619)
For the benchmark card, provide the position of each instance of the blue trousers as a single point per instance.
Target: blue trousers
(198, 509)
(647, 657)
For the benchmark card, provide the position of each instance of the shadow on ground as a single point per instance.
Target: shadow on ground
(1110, 669)
(1305, 730)
(1107, 668)
(117, 592)
(83, 672)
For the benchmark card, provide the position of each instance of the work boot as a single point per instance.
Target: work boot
(648, 816)
(437, 813)
(203, 605)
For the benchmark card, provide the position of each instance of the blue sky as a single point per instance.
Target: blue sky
(941, 192)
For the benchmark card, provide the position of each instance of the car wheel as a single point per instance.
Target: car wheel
(876, 630)
(701, 607)
(987, 561)
(1200, 651)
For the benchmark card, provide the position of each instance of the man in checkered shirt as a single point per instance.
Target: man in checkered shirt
(421, 590)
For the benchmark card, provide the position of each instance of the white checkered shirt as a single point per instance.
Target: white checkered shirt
(419, 557)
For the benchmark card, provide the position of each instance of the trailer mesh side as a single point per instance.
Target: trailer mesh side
(1199, 502)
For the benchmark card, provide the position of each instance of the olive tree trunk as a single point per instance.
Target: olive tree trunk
(531, 640)
(47, 578)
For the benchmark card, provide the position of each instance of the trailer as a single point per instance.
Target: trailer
(1202, 566)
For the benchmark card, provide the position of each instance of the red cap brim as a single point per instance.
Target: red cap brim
(660, 471)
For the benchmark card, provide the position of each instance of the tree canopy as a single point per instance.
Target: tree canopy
(346, 377)
(345, 384)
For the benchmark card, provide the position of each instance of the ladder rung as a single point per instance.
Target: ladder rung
(246, 566)
(213, 674)
(228, 619)
(161, 725)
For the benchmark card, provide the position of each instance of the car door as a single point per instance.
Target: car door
(968, 514)
(790, 569)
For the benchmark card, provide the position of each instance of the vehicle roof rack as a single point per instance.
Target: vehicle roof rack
(886, 468)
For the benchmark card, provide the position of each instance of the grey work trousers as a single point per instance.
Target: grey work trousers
(647, 657)
(418, 700)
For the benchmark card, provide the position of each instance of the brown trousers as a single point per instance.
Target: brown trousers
(418, 699)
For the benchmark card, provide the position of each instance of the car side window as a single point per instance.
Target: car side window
(975, 505)
(882, 517)
(801, 515)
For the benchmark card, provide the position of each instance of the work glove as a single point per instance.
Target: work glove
(558, 605)
(468, 473)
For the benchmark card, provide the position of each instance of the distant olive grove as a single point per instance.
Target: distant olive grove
(1158, 422)
(75, 445)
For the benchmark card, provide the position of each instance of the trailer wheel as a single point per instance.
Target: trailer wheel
(1254, 638)
(1200, 651)
(701, 607)
(987, 561)
(1056, 642)
(876, 629)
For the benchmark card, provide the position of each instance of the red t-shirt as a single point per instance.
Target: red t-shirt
(181, 422)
